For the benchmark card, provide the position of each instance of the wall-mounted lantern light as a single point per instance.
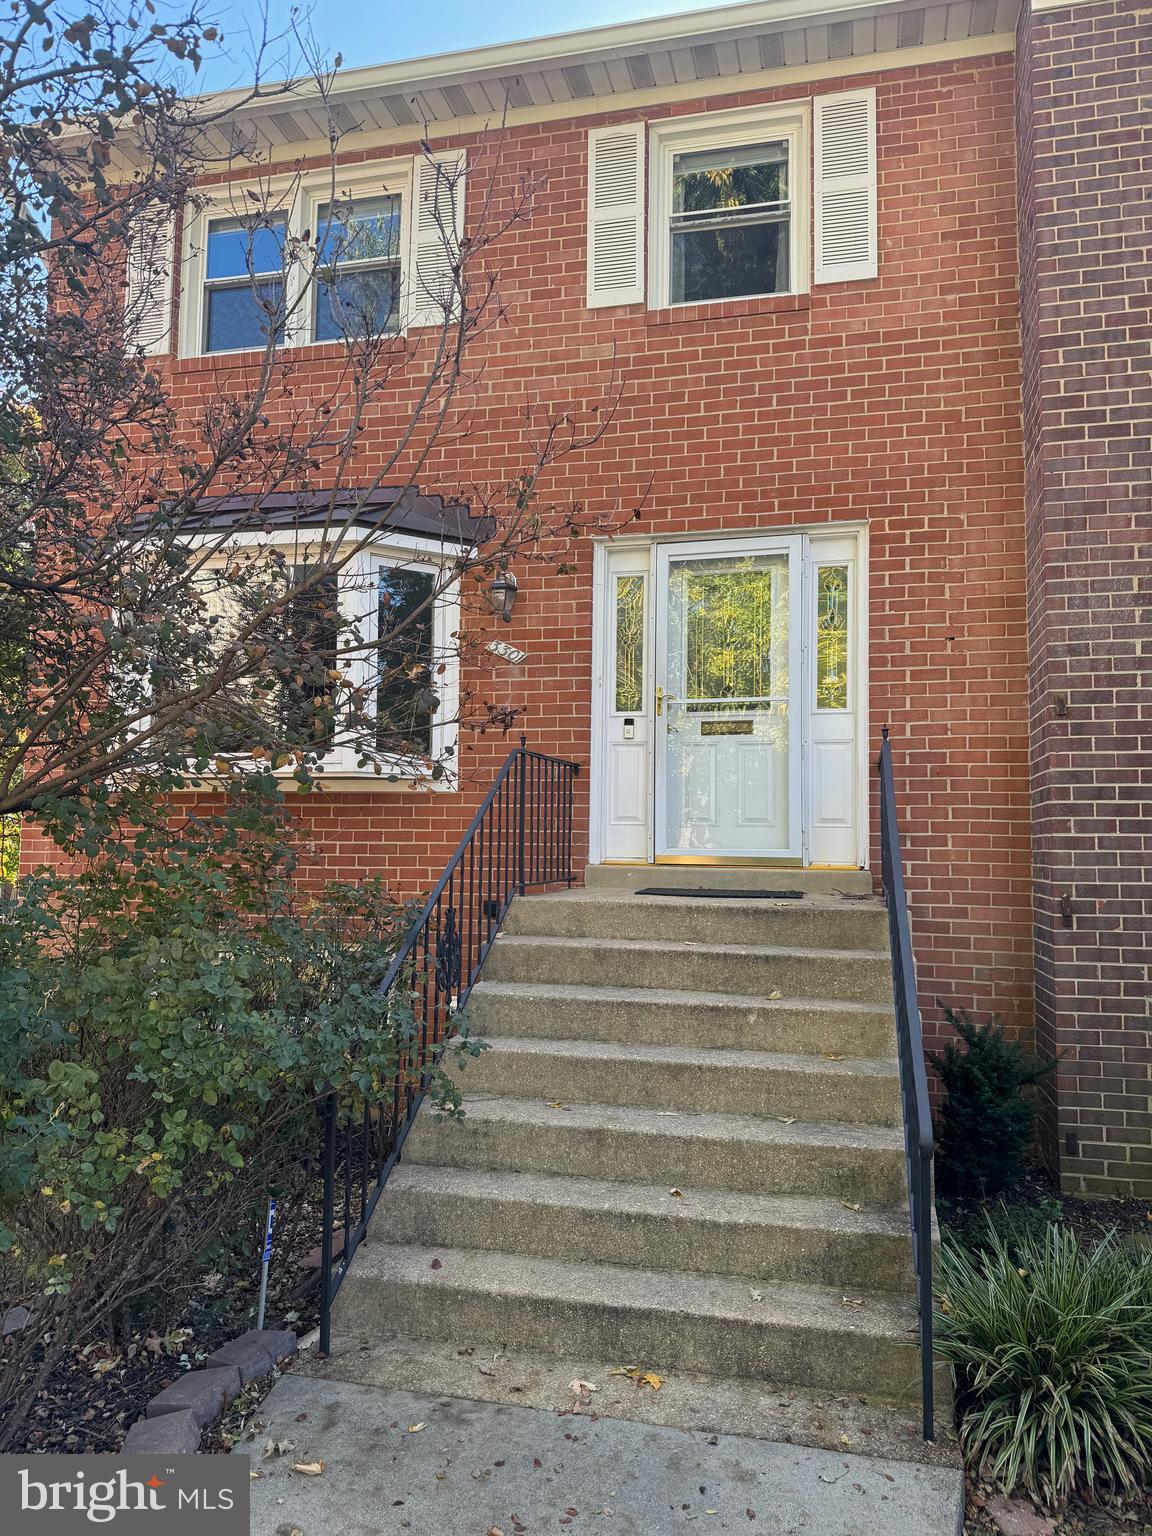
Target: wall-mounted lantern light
(502, 595)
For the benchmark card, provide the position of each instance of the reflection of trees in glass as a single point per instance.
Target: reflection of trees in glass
(699, 186)
(629, 644)
(832, 637)
(291, 699)
(730, 222)
(405, 697)
(359, 282)
(732, 620)
(728, 644)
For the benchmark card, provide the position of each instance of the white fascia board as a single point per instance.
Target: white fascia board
(639, 101)
(558, 50)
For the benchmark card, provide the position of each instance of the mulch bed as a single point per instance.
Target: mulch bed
(1079, 1519)
(1037, 1193)
(95, 1394)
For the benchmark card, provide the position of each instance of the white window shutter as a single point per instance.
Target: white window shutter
(845, 158)
(437, 228)
(148, 280)
(616, 215)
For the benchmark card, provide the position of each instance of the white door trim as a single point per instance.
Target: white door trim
(602, 670)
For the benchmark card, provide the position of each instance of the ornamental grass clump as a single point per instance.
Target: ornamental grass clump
(1051, 1344)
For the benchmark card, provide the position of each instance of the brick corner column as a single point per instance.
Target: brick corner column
(1086, 332)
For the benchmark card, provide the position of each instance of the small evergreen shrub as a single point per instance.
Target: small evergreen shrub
(1052, 1350)
(986, 1124)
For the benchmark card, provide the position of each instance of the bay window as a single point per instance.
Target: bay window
(386, 624)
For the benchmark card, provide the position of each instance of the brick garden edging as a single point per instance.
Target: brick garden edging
(176, 1418)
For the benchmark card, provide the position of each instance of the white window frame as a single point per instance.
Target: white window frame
(789, 122)
(300, 198)
(357, 582)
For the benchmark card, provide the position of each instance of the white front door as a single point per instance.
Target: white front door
(727, 751)
(729, 692)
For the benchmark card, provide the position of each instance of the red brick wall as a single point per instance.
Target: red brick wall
(894, 402)
(1086, 280)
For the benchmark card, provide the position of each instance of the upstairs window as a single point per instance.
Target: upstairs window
(730, 223)
(734, 205)
(358, 287)
(371, 257)
(729, 208)
(244, 282)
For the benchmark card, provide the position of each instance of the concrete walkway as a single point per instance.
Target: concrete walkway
(397, 1462)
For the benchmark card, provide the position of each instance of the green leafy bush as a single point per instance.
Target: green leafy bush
(167, 1025)
(986, 1124)
(1052, 1350)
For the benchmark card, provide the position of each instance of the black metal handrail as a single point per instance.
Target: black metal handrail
(918, 1141)
(520, 839)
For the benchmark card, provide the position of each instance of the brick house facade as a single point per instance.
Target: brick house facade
(886, 407)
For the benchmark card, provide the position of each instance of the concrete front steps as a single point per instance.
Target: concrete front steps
(683, 1149)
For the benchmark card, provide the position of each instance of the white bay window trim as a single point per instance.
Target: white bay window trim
(788, 123)
(358, 588)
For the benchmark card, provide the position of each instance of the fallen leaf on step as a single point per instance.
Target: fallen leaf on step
(850, 1205)
(775, 995)
(414, 1429)
(787, 1119)
(308, 1468)
(493, 1530)
(582, 1391)
(278, 1448)
(639, 1375)
(851, 1301)
(756, 1295)
(554, 1104)
(677, 1194)
(829, 1057)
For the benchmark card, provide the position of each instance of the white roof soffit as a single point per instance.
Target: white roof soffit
(640, 62)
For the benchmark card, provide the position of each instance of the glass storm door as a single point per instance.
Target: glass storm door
(727, 654)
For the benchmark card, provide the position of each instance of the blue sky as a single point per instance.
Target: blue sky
(368, 33)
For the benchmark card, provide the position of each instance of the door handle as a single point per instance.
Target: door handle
(661, 696)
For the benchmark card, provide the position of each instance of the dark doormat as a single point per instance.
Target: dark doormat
(711, 890)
